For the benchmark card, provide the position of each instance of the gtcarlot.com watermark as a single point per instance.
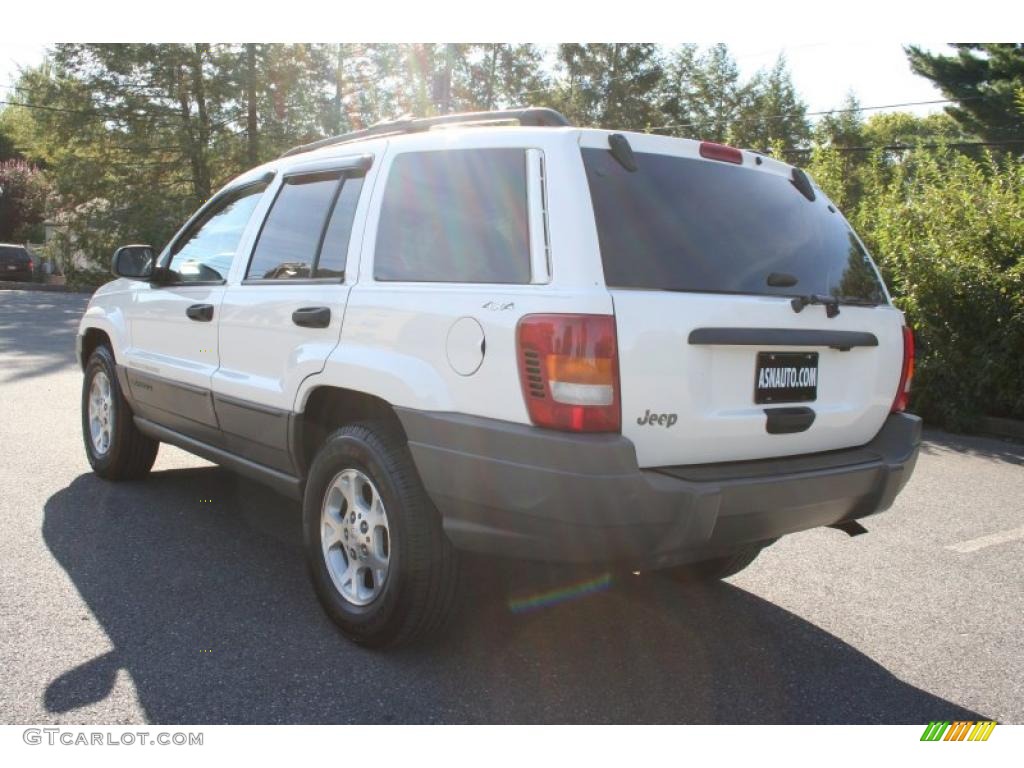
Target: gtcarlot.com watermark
(85, 738)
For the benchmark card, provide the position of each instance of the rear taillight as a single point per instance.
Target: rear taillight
(30, 265)
(712, 151)
(569, 370)
(906, 372)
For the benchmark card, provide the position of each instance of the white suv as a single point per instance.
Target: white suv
(531, 340)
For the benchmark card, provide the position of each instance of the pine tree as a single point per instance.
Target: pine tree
(607, 84)
(770, 112)
(984, 79)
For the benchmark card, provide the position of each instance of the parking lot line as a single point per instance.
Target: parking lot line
(972, 545)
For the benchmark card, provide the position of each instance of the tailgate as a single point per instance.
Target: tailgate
(705, 384)
(751, 321)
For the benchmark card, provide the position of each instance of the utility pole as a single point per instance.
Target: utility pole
(339, 74)
(250, 97)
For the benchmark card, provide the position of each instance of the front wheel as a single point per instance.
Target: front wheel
(380, 563)
(113, 444)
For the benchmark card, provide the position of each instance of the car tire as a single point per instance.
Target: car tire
(115, 447)
(715, 568)
(380, 563)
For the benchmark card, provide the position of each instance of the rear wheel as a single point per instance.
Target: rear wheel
(716, 568)
(380, 563)
(113, 444)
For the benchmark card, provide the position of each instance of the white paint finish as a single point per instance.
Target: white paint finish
(393, 344)
(711, 388)
(107, 311)
(465, 346)
(396, 341)
(973, 545)
(263, 355)
(165, 341)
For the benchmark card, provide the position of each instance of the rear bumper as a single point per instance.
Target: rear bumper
(515, 490)
(17, 275)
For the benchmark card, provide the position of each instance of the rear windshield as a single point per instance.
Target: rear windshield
(697, 225)
(14, 252)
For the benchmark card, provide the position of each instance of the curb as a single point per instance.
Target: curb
(993, 425)
(45, 287)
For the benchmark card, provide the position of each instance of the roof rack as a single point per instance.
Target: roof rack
(531, 116)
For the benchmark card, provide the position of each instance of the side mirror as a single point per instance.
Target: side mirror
(134, 262)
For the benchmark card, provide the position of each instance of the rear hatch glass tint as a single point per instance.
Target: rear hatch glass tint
(686, 224)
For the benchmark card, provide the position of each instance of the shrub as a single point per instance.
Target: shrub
(948, 234)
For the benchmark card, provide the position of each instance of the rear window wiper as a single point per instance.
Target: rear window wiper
(831, 303)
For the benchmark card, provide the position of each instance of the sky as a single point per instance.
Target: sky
(822, 72)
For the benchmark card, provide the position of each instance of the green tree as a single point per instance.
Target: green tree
(607, 84)
(677, 96)
(718, 97)
(984, 79)
(770, 111)
(905, 129)
(7, 148)
(502, 75)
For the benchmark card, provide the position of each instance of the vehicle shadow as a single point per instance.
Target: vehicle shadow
(982, 446)
(197, 578)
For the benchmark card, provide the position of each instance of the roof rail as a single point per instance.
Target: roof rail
(532, 116)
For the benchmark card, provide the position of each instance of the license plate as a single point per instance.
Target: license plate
(12, 267)
(786, 377)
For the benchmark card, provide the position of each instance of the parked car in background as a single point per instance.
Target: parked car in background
(16, 263)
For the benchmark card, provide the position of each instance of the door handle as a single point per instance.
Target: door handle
(201, 312)
(312, 317)
(786, 421)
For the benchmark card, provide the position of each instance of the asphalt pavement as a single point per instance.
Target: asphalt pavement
(184, 599)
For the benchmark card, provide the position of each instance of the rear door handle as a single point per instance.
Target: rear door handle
(312, 317)
(201, 312)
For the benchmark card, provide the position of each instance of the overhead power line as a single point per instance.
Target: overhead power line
(898, 147)
(838, 110)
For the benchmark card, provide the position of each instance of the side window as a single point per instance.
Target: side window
(311, 217)
(204, 253)
(334, 250)
(288, 242)
(455, 216)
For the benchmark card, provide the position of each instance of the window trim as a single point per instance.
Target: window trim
(374, 218)
(354, 166)
(338, 183)
(538, 217)
(171, 250)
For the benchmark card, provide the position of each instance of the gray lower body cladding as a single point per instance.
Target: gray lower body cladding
(514, 490)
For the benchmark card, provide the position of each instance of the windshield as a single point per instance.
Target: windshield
(696, 225)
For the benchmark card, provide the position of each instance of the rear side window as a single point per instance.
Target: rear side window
(455, 216)
(309, 212)
(697, 225)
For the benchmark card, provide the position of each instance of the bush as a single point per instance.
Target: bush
(86, 279)
(23, 193)
(948, 233)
